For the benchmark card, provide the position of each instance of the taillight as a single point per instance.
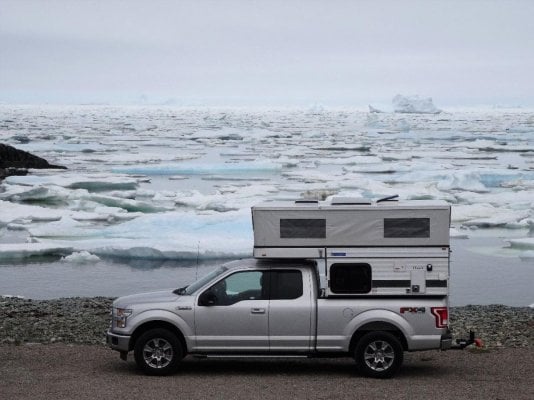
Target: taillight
(442, 316)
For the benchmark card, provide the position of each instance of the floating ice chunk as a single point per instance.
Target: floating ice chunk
(11, 296)
(42, 194)
(456, 234)
(16, 227)
(358, 160)
(377, 169)
(525, 243)
(457, 180)
(65, 228)
(144, 157)
(92, 183)
(12, 212)
(179, 235)
(128, 204)
(24, 250)
(81, 257)
(503, 218)
(227, 198)
(414, 105)
(202, 169)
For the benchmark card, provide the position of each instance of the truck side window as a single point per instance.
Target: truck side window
(286, 284)
(248, 285)
(350, 278)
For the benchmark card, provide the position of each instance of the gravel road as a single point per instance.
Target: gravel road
(53, 350)
(63, 371)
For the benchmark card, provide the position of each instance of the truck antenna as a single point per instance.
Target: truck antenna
(198, 255)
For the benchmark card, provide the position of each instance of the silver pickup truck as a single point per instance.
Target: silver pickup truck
(349, 277)
(260, 307)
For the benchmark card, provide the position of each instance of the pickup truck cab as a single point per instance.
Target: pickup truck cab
(347, 277)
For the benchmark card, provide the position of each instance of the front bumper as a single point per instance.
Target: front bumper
(118, 342)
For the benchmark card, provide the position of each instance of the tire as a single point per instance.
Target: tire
(158, 352)
(378, 355)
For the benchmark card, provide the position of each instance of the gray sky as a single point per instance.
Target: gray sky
(267, 52)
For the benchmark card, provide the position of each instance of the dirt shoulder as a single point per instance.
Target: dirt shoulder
(63, 371)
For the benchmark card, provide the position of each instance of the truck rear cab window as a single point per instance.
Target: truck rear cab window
(407, 227)
(286, 285)
(303, 228)
(350, 278)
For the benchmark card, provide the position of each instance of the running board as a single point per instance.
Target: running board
(227, 356)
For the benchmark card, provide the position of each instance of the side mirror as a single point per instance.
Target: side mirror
(207, 299)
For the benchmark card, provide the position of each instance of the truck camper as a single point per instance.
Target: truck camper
(362, 248)
(345, 277)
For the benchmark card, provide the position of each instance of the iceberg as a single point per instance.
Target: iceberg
(414, 105)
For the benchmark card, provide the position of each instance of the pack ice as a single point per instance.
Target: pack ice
(173, 183)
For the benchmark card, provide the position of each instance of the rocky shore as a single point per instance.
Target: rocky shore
(84, 321)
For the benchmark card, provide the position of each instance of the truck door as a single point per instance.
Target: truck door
(290, 311)
(232, 315)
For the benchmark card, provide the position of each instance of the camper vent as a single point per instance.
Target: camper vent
(350, 201)
(304, 201)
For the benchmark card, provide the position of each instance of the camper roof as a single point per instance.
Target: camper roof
(353, 203)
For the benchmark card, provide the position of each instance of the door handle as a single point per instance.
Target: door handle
(257, 310)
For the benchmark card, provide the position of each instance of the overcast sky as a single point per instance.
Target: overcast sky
(267, 52)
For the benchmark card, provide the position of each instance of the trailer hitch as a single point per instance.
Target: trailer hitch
(463, 343)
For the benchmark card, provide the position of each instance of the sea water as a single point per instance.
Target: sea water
(156, 196)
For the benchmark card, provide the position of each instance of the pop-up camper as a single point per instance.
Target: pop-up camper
(361, 247)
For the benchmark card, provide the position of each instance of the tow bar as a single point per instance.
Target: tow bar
(463, 343)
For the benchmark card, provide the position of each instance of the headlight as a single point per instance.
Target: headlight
(120, 316)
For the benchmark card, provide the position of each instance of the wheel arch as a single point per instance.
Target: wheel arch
(377, 326)
(154, 324)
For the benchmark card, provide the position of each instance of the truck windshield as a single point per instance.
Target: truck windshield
(202, 281)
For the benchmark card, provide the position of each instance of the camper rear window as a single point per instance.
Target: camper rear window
(303, 228)
(406, 227)
(350, 278)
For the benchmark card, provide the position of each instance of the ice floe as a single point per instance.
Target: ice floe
(201, 169)
(14, 251)
(139, 178)
(81, 257)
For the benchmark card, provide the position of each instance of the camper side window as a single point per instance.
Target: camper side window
(406, 227)
(303, 228)
(350, 278)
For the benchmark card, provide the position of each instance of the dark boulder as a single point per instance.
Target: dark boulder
(15, 162)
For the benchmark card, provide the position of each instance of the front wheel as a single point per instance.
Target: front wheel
(378, 354)
(158, 352)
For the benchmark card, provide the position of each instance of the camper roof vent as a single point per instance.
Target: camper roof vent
(304, 201)
(350, 201)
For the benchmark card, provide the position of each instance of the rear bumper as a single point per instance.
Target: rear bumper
(446, 341)
(118, 342)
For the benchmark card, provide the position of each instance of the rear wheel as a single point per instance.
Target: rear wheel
(158, 352)
(378, 354)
